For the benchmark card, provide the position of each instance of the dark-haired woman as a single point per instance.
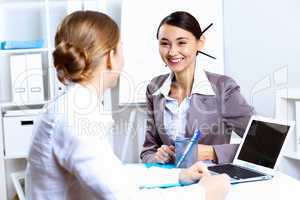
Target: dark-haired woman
(190, 98)
(70, 157)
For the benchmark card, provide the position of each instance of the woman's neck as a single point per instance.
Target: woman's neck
(96, 86)
(184, 79)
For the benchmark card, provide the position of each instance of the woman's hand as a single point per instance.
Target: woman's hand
(193, 174)
(216, 187)
(165, 154)
(206, 152)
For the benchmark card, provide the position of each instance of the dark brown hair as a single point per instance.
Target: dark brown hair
(81, 40)
(182, 20)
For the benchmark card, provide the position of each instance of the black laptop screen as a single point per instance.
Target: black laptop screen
(263, 143)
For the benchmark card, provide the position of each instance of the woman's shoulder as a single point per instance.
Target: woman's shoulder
(156, 83)
(220, 80)
(214, 77)
(58, 110)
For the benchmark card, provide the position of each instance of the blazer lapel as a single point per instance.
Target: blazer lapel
(196, 114)
(191, 115)
(159, 113)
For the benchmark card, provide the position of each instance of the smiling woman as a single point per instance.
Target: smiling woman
(190, 98)
(143, 62)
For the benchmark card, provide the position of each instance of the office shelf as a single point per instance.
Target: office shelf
(24, 51)
(288, 108)
(293, 155)
(12, 104)
(15, 157)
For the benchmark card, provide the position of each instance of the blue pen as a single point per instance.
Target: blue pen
(196, 136)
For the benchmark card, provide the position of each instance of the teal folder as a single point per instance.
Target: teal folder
(166, 166)
(31, 44)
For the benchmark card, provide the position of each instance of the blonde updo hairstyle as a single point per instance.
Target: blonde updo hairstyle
(81, 40)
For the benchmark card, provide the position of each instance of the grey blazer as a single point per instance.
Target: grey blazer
(216, 116)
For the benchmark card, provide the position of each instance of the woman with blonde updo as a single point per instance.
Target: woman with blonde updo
(70, 157)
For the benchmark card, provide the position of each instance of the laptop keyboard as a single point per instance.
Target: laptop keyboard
(234, 171)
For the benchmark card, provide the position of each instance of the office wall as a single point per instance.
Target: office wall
(262, 37)
(121, 114)
(261, 43)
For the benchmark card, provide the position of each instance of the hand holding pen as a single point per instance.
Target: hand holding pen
(165, 154)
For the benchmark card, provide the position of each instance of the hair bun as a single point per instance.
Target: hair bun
(70, 62)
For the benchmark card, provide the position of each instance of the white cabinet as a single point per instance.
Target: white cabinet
(27, 20)
(18, 139)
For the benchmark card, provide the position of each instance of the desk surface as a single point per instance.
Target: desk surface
(281, 187)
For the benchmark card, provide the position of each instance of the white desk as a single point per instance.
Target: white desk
(281, 187)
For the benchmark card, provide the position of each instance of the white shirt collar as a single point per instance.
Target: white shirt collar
(201, 84)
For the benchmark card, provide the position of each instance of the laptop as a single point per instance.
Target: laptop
(260, 151)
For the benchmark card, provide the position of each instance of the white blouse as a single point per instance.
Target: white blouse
(175, 114)
(71, 159)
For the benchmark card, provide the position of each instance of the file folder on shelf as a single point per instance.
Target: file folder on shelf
(27, 78)
(18, 78)
(33, 44)
(35, 78)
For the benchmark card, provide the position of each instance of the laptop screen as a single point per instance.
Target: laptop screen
(263, 143)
